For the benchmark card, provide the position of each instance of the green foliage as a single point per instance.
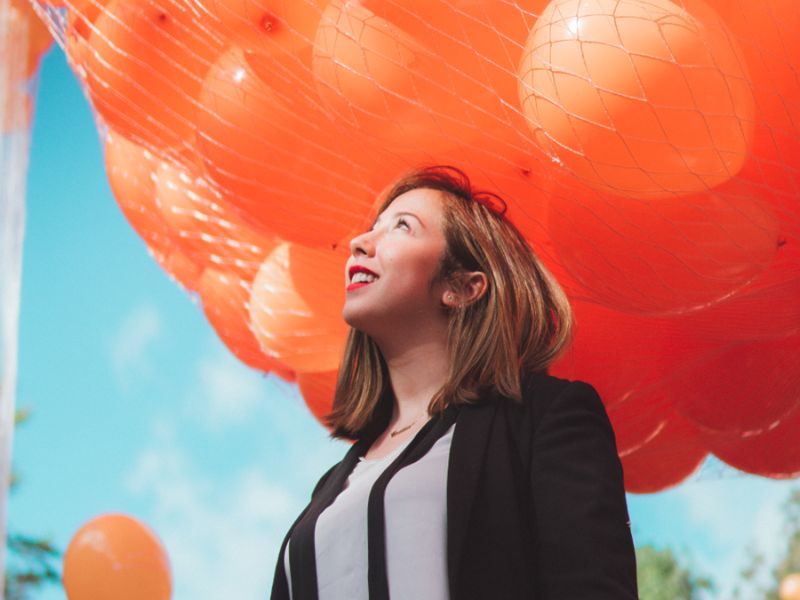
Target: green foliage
(662, 577)
(31, 562)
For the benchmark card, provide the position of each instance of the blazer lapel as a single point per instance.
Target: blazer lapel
(467, 455)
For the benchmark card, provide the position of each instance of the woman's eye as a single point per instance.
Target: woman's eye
(403, 223)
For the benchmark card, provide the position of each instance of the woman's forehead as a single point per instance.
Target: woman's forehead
(424, 202)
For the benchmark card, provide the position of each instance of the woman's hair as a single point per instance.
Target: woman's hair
(518, 326)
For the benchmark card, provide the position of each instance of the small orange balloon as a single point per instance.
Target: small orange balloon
(641, 98)
(145, 66)
(287, 328)
(181, 268)
(225, 298)
(81, 17)
(319, 277)
(116, 557)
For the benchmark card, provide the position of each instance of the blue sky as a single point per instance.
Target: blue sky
(138, 408)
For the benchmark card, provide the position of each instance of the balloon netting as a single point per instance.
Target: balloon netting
(647, 149)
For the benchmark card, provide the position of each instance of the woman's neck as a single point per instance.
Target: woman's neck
(417, 371)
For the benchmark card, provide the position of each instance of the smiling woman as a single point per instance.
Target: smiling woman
(475, 474)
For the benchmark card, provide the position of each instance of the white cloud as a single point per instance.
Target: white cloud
(222, 540)
(227, 393)
(130, 343)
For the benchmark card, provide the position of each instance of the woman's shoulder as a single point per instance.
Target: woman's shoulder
(542, 392)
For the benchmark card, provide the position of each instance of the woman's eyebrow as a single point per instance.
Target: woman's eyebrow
(403, 213)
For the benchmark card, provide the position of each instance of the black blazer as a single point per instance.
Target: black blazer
(536, 505)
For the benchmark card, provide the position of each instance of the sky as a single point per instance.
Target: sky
(138, 408)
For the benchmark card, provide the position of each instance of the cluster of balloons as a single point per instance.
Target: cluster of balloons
(648, 149)
(116, 557)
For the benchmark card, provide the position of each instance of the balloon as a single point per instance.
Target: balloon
(130, 169)
(661, 256)
(287, 328)
(206, 228)
(265, 26)
(177, 265)
(116, 557)
(478, 46)
(772, 453)
(638, 97)
(81, 17)
(622, 354)
(39, 39)
(669, 457)
(742, 388)
(280, 163)
(317, 390)
(380, 79)
(766, 33)
(318, 276)
(145, 66)
(225, 298)
(790, 587)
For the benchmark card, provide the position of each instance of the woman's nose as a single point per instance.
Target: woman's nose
(362, 244)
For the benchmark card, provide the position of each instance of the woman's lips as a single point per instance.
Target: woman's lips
(360, 284)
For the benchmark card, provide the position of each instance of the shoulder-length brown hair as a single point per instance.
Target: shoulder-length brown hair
(519, 326)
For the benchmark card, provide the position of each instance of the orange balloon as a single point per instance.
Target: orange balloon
(206, 228)
(317, 390)
(278, 160)
(286, 327)
(640, 98)
(130, 169)
(116, 557)
(81, 17)
(381, 80)
(661, 256)
(319, 276)
(225, 298)
(265, 26)
(146, 63)
(180, 267)
(480, 45)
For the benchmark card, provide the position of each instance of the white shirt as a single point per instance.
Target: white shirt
(416, 530)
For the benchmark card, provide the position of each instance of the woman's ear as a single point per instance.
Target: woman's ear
(470, 287)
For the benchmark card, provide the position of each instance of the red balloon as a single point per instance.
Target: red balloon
(742, 388)
(116, 557)
(773, 453)
(670, 456)
(661, 256)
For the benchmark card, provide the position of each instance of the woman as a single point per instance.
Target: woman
(475, 474)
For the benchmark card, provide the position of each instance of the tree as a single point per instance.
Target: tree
(662, 577)
(754, 580)
(30, 561)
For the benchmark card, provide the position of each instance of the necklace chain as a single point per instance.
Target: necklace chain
(406, 428)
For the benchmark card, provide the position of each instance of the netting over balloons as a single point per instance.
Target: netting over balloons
(648, 149)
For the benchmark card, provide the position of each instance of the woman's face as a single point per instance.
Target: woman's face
(390, 274)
